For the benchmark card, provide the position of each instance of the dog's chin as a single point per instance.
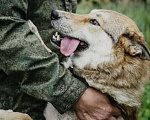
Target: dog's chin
(56, 41)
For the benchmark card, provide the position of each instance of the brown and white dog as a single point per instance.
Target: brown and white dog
(107, 49)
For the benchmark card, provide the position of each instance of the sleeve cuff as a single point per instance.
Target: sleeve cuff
(70, 97)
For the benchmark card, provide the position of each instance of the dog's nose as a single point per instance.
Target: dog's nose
(54, 15)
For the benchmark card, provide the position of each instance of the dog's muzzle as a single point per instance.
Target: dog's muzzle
(56, 40)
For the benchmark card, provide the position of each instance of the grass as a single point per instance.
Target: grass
(140, 14)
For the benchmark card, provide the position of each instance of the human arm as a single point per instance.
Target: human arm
(36, 71)
(28, 66)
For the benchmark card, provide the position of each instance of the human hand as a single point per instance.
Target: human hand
(94, 105)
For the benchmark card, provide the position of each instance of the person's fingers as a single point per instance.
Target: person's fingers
(88, 117)
(112, 118)
(80, 115)
(115, 111)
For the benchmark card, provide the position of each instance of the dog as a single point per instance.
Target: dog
(108, 51)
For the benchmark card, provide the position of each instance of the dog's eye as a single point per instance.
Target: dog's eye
(94, 22)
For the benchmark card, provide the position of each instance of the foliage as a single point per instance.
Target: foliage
(145, 109)
(138, 11)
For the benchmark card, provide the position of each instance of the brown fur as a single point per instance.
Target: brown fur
(126, 72)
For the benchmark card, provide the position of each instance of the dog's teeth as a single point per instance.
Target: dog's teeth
(82, 43)
(56, 34)
(71, 66)
(54, 37)
(58, 38)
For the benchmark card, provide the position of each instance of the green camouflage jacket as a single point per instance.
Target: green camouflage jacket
(29, 74)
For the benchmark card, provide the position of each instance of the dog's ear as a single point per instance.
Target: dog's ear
(135, 45)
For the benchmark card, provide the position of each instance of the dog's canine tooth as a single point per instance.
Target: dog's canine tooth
(82, 43)
(56, 34)
(58, 38)
(54, 37)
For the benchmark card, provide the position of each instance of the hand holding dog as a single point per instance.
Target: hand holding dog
(94, 105)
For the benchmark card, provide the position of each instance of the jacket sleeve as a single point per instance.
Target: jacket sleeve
(23, 58)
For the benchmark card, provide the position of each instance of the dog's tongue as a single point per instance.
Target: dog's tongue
(68, 45)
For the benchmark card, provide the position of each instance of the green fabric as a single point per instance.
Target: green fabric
(29, 75)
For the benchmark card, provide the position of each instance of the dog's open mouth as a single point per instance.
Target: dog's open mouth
(68, 45)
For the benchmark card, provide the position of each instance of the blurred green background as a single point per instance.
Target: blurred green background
(139, 12)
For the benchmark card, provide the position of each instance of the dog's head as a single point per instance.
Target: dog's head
(96, 35)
